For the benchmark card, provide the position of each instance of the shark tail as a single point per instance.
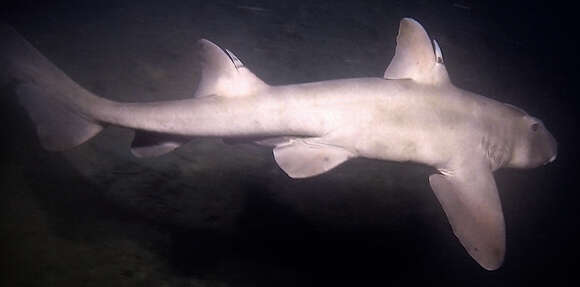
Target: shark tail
(66, 114)
(59, 107)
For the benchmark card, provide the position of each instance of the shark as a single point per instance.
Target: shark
(413, 113)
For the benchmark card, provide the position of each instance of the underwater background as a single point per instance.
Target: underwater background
(212, 214)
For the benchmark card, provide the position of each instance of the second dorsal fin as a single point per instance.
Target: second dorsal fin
(415, 58)
(223, 74)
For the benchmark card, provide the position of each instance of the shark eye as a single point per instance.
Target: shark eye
(535, 126)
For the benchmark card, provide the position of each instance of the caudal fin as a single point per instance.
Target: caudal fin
(55, 103)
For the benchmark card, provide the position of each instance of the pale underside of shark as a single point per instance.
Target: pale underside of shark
(413, 113)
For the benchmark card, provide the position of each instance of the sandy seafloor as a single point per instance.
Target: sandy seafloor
(212, 214)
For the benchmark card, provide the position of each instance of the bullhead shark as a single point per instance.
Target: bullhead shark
(411, 114)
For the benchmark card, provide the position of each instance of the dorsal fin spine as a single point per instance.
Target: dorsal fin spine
(438, 53)
(237, 63)
(223, 74)
(415, 57)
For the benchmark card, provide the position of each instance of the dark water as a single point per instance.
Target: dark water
(212, 214)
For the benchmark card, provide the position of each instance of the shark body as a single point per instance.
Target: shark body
(413, 113)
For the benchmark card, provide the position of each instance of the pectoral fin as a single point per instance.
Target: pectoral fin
(471, 202)
(305, 157)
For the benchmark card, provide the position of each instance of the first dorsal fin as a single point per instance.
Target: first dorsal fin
(223, 74)
(415, 58)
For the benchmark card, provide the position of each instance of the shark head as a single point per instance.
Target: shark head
(535, 145)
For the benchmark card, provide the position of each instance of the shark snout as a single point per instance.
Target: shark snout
(554, 150)
(553, 158)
